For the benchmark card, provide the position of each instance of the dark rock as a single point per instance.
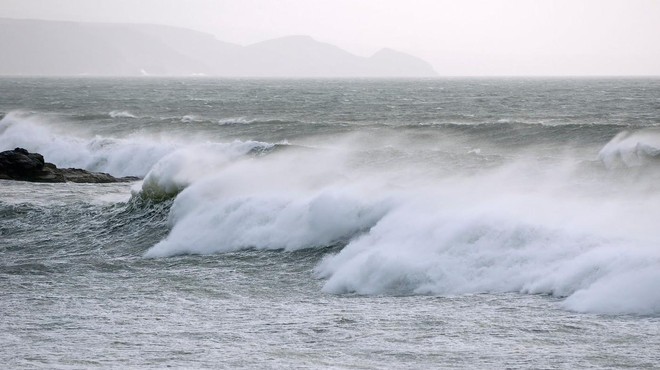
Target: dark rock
(21, 165)
(78, 175)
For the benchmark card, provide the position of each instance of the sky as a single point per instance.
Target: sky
(459, 38)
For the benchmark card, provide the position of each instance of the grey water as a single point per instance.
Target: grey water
(430, 223)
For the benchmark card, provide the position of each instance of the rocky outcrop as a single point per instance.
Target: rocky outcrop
(21, 165)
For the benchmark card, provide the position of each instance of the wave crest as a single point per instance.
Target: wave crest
(632, 149)
(121, 114)
(203, 226)
(177, 170)
(499, 245)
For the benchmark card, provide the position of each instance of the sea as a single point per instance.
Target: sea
(468, 223)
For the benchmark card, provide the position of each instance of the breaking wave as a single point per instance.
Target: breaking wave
(130, 156)
(228, 121)
(191, 118)
(121, 114)
(632, 149)
(528, 243)
(203, 225)
(235, 121)
(513, 228)
(166, 163)
(246, 121)
(180, 168)
(405, 225)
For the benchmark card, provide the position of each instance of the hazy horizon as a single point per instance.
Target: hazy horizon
(472, 38)
(64, 48)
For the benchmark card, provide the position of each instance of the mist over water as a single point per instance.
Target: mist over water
(529, 199)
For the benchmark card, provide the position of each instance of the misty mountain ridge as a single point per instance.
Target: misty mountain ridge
(54, 48)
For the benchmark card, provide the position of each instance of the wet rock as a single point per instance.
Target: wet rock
(21, 165)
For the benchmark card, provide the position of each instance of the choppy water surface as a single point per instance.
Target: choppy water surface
(334, 223)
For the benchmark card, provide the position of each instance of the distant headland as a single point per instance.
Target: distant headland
(55, 48)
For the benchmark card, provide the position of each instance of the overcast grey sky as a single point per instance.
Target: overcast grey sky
(467, 37)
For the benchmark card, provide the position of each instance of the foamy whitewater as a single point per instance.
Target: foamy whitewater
(470, 223)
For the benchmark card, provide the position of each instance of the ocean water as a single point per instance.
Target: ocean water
(442, 223)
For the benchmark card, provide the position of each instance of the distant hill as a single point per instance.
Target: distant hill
(53, 48)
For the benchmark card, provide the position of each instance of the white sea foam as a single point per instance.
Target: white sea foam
(190, 118)
(121, 114)
(235, 121)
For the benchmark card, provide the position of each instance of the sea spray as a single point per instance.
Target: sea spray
(129, 156)
(265, 222)
(527, 236)
(527, 226)
(417, 207)
(177, 170)
(632, 149)
(282, 201)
